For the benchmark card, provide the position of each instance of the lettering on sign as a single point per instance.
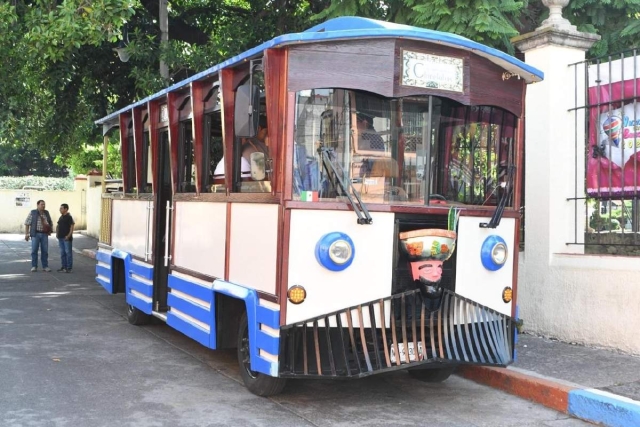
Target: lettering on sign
(23, 200)
(432, 71)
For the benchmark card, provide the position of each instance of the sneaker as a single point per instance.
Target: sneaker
(61, 270)
(68, 270)
(33, 269)
(47, 269)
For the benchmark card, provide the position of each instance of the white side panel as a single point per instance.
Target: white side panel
(254, 246)
(475, 282)
(200, 234)
(366, 279)
(129, 222)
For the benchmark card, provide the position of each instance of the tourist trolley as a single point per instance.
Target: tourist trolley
(375, 227)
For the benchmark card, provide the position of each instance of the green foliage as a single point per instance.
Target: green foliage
(89, 157)
(21, 161)
(494, 22)
(47, 183)
(60, 74)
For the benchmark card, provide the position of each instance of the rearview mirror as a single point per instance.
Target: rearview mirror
(246, 111)
(258, 166)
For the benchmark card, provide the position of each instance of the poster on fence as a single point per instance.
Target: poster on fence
(23, 200)
(613, 158)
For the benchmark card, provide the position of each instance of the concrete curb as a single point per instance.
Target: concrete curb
(591, 405)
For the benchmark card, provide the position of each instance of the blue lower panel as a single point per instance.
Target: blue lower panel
(139, 303)
(268, 343)
(142, 270)
(104, 257)
(182, 299)
(189, 329)
(197, 312)
(105, 284)
(145, 289)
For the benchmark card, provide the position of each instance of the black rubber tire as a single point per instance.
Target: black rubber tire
(432, 375)
(257, 383)
(137, 317)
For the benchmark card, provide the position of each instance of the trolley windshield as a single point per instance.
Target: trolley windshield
(414, 150)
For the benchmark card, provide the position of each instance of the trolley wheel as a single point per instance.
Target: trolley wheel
(136, 317)
(432, 375)
(257, 383)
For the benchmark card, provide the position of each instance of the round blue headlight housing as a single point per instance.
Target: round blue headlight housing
(335, 251)
(494, 253)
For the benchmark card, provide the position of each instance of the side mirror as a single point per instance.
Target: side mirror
(258, 166)
(246, 111)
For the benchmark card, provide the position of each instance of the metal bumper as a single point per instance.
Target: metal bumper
(377, 337)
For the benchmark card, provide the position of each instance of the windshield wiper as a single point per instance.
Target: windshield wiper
(359, 208)
(497, 215)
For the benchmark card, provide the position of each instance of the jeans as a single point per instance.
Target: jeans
(66, 253)
(40, 240)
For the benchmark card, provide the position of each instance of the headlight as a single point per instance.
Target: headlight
(494, 253)
(335, 251)
(340, 251)
(499, 253)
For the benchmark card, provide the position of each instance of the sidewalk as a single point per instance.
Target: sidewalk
(596, 385)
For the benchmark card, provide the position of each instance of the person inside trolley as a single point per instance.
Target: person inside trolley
(256, 144)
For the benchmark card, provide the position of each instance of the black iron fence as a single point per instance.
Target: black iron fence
(606, 189)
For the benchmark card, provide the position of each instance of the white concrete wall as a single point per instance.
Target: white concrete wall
(563, 293)
(94, 210)
(12, 217)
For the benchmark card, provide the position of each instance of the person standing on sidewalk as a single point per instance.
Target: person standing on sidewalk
(38, 229)
(64, 233)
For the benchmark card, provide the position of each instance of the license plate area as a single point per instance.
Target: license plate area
(413, 357)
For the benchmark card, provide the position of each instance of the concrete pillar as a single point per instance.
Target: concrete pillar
(552, 133)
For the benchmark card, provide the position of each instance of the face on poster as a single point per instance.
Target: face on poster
(619, 133)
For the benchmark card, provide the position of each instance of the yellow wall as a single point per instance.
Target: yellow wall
(12, 216)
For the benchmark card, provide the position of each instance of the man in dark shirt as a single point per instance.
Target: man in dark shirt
(64, 233)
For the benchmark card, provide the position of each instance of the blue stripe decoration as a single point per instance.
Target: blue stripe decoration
(204, 315)
(352, 27)
(267, 342)
(256, 314)
(141, 270)
(192, 309)
(268, 317)
(104, 257)
(189, 329)
(139, 303)
(606, 408)
(145, 289)
(190, 288)
(106, 285)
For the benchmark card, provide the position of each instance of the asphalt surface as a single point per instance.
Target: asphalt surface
(68, 357)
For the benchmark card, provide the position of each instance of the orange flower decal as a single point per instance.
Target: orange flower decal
(414, 249)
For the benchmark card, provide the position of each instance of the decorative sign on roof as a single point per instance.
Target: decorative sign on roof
(431, 71)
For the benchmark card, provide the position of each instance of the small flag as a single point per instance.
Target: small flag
(309, 196)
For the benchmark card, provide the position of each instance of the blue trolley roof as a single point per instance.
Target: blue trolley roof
(351, 27)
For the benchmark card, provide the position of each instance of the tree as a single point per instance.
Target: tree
(59, 72)
(494, 22)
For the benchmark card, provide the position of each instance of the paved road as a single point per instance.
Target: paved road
(68, 357)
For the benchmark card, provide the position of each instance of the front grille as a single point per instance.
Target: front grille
(377, 337)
